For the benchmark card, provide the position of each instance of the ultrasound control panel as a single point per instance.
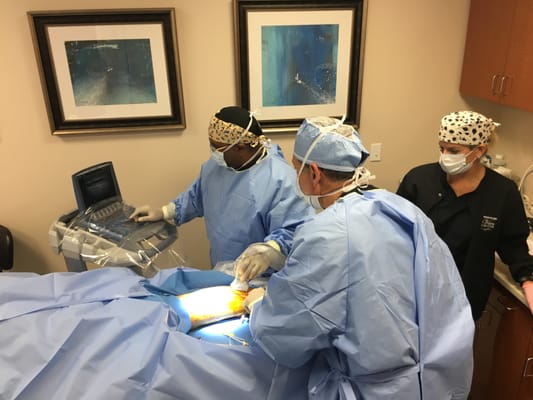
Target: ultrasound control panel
(113, 210)
(112, 222)
(108, 234)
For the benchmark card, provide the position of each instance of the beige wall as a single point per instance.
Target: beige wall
(412, 64)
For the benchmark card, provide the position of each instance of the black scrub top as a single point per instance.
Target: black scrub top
(453, 223)
(474, 226)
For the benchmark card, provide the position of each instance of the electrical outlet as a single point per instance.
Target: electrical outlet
(375, 152)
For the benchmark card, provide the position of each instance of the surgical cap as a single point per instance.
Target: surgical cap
(467, 128)
(338, 149)
(234, 124)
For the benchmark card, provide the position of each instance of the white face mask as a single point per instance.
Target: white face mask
(454, 164)
(218, 157)
(311, 199)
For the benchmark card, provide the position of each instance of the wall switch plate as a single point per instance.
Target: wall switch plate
(375, 152)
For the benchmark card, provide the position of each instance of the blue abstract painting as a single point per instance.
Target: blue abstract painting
(107, 72)
(299, 64)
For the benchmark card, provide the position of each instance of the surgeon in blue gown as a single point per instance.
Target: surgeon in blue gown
(369, 293)
(245, 192)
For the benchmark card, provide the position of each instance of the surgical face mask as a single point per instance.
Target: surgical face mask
(455, 164)
(311, 199)
(218, 157)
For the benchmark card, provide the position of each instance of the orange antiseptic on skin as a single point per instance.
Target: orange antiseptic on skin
(212, 304)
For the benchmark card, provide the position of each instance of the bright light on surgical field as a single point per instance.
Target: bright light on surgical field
(208, 305)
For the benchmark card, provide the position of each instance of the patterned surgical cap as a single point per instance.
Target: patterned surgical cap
(467, 128)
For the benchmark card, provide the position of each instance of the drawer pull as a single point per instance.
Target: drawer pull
(501, 300)
(527, 374)
(493, 84)
(503, 86)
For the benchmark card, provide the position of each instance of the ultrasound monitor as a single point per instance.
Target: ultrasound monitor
(101, 232)
(96, 186)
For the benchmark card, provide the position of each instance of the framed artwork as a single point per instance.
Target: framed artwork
(109, 70)
(299, 59)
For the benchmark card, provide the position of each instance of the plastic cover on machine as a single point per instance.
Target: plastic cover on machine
(104, 241)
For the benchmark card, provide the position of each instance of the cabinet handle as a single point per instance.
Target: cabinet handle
(507, 307)
(525, 374)
(501, 91)
(493, 84)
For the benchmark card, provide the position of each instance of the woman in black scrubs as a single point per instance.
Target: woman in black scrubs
(475, 210)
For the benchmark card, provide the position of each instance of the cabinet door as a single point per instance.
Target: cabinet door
(518, 84)
(486, 330)
(526, 387)
(510, 348)
(487, 41)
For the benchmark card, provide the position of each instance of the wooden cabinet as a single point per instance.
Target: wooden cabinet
(525, 391)
(486, 331)
(508, 373)
(498, 58)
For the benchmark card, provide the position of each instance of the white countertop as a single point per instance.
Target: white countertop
(503, 275)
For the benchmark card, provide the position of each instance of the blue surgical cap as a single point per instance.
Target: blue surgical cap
(338, 149)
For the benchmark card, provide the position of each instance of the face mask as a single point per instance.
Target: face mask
(218, 157)
(311, 199)
(454, 164)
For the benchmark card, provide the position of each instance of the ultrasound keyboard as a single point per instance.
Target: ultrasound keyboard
(112, 223)
(115, 210)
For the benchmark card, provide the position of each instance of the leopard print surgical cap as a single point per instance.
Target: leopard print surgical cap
(226, 132)
(467, 128)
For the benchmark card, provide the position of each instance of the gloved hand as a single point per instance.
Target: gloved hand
(256, 259)
(253, 297)
(528, 291)
(146, 213)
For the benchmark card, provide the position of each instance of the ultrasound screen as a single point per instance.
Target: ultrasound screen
(95, 184)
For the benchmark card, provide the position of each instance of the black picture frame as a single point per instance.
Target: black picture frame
(109, 70)
(259, 25)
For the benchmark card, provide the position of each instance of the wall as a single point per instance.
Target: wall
(412, 64)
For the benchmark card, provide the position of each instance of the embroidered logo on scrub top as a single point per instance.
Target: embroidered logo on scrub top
(488, 223)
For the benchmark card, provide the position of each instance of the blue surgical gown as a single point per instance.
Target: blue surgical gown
(373, 295)
(240, 208)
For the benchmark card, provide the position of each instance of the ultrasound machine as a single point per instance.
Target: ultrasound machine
(100, 230)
